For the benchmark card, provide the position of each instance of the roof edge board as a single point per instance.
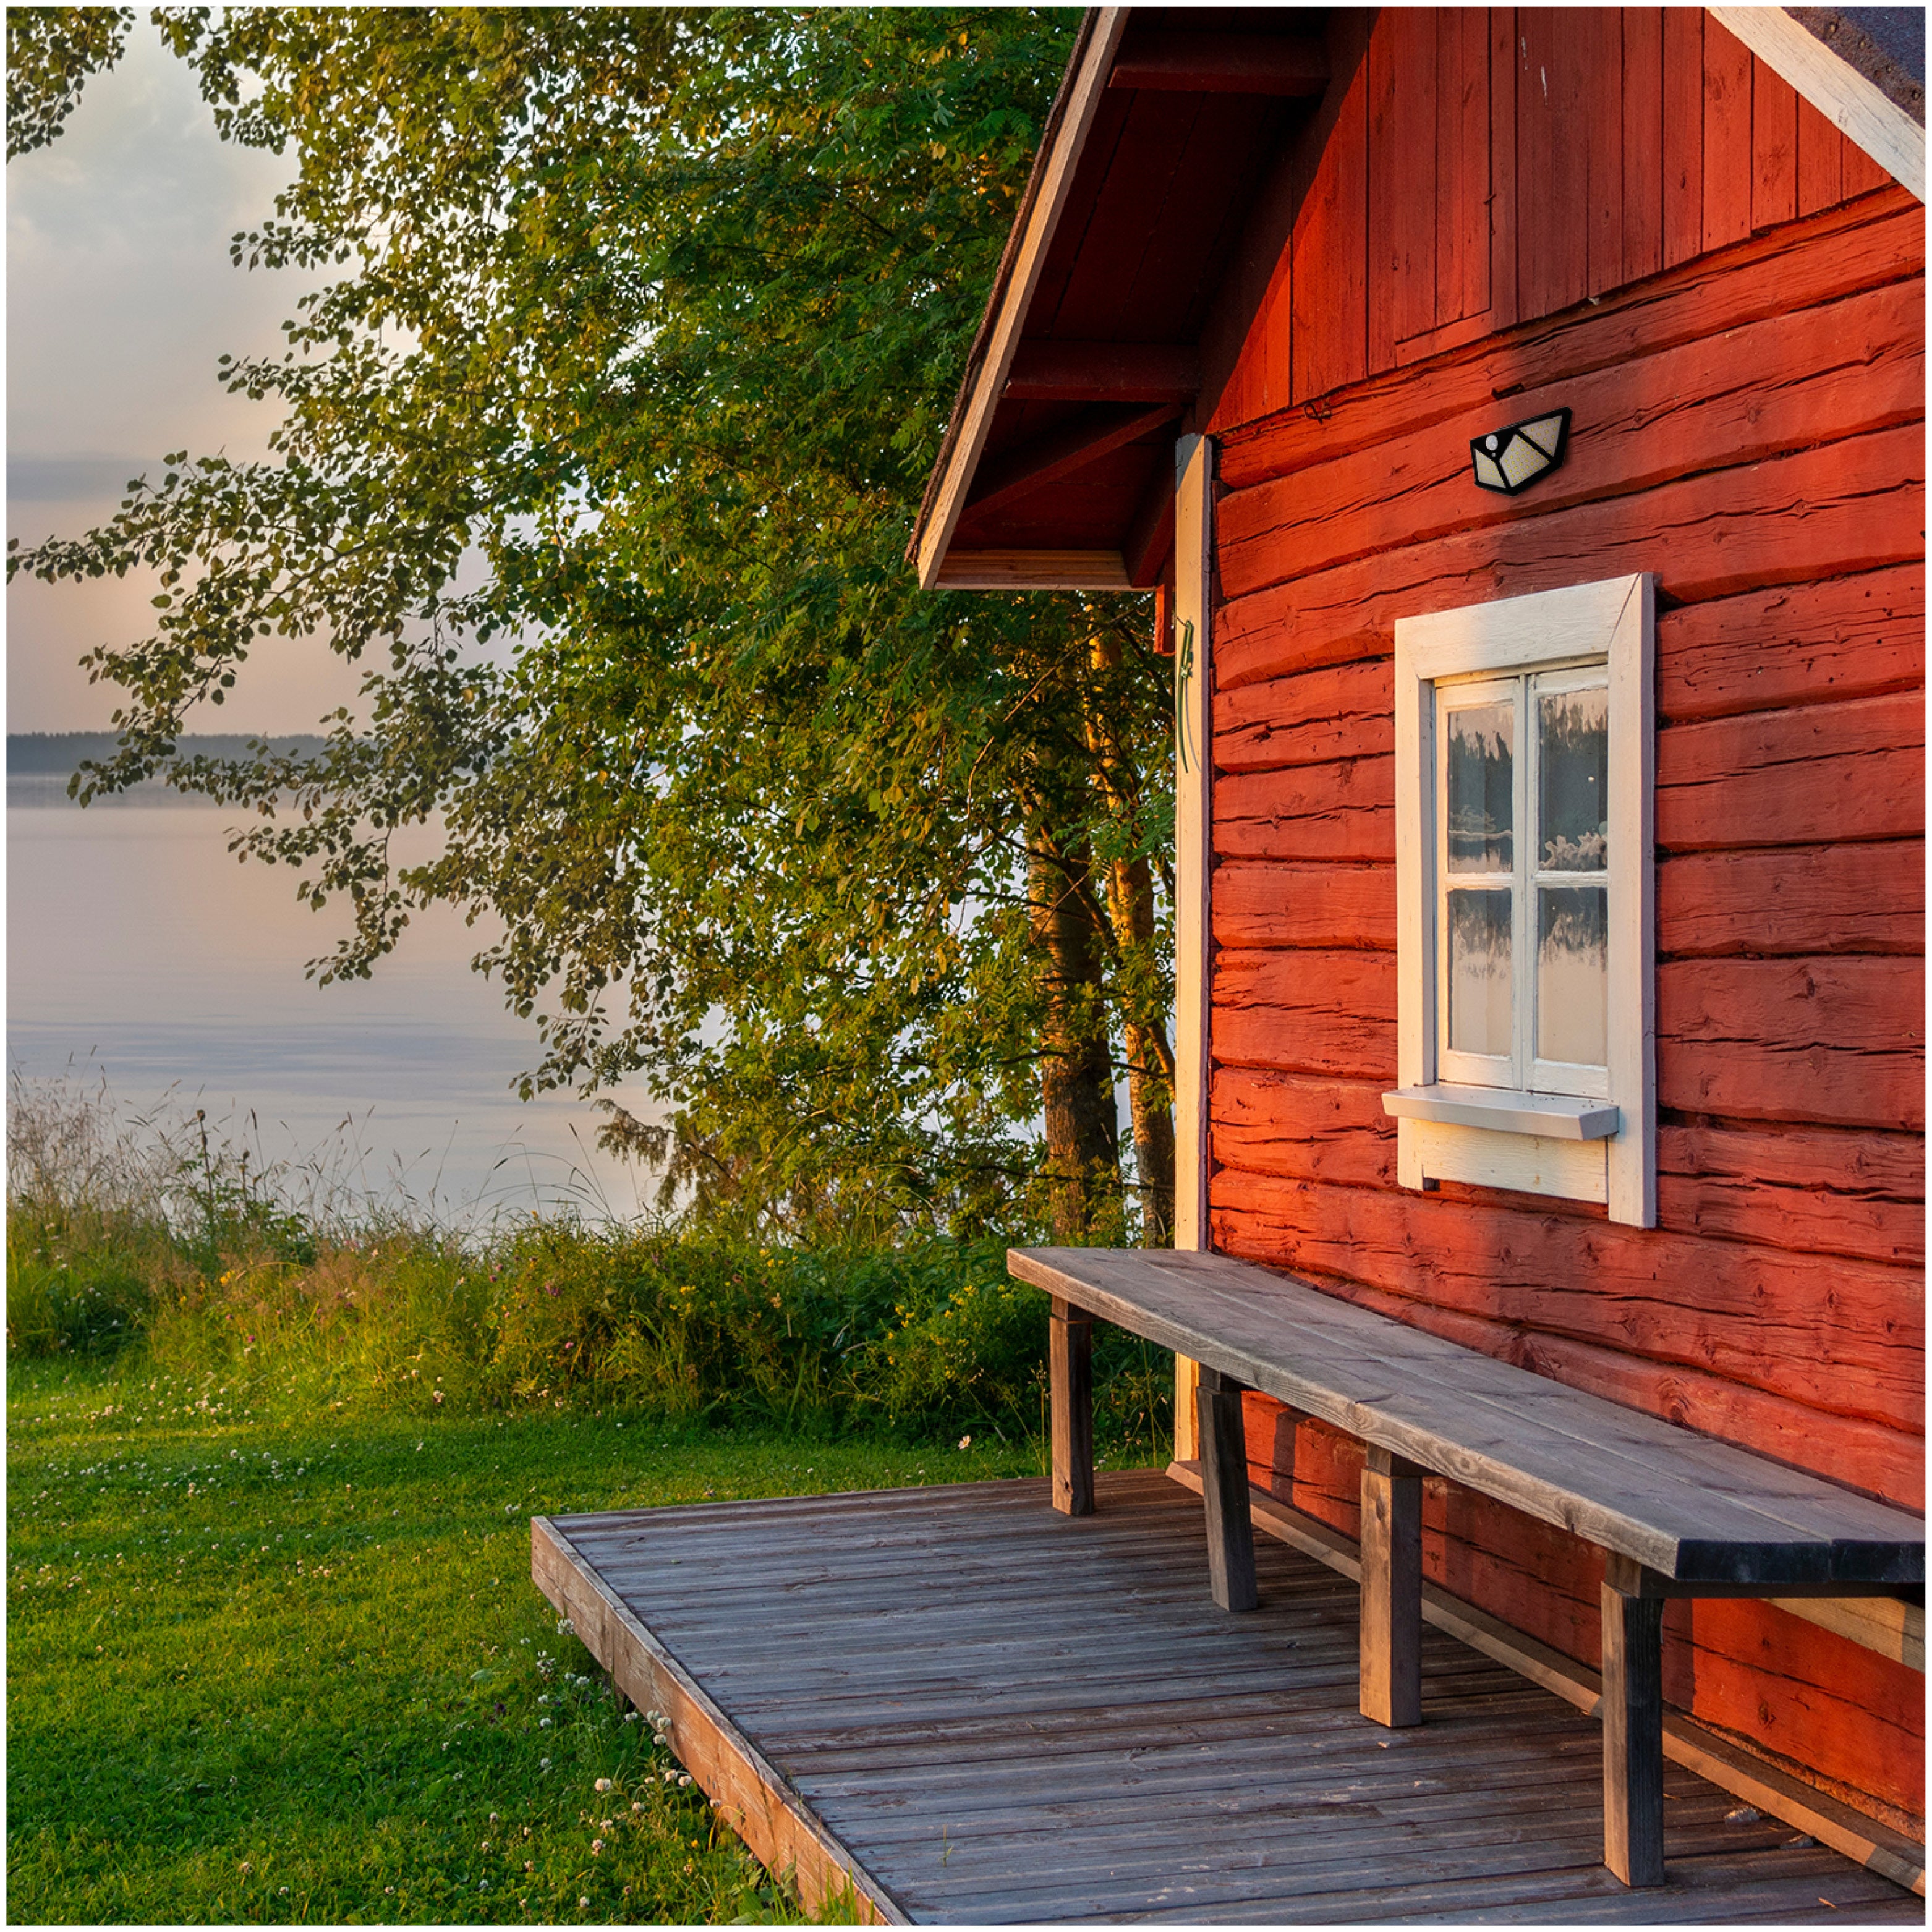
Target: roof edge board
(1059, 158)
(1868, 118)
(1031, 570)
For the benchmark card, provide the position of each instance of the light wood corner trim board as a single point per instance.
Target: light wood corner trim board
(1877, 1847)
(747, 1792)
(1876, 125)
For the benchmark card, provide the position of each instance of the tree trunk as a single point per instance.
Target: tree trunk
(1150, 1059)
(1076, 1074)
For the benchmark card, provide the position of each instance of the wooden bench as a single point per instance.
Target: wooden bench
(1676, 1514)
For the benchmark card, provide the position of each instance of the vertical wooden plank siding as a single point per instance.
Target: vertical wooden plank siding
(1773, 148)
(1683, 133)
(1503, 308)
(1727, 136)
(1555, 214)
(1599, 90)
(1820, 159)
(1643, 144)
(1328, 296)
(1193, 938)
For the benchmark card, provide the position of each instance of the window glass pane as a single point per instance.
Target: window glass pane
(1480, 773)
(1479, 972)
(1573, 761)
(1572, 972)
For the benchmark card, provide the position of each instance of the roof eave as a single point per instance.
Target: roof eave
(991, 359)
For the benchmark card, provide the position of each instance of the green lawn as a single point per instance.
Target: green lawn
(259, 1669)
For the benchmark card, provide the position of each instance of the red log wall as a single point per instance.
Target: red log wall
(1732, 300)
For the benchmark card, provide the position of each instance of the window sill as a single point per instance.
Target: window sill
(1552, 1116)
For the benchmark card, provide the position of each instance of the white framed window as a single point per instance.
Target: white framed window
(1526, 935)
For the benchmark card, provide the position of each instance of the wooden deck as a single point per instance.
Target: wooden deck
(970, 1707)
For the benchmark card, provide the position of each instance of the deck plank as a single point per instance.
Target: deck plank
(977, 1709)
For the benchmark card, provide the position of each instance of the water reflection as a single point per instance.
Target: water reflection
(136, 940)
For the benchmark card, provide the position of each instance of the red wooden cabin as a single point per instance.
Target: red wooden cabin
(1326, 254)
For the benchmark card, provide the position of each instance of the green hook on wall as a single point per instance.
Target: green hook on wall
(1183, 669)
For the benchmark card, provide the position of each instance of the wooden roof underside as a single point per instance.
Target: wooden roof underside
(1057, 468)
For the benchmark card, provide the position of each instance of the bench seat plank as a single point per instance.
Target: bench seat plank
(1691, 1509)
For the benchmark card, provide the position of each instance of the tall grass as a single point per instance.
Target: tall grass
(160, 1235)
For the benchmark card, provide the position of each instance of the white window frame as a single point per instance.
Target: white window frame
(1578, 1145)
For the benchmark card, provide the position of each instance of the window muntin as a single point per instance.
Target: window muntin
(1522, 833)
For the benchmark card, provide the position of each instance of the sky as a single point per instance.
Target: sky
(120, 298)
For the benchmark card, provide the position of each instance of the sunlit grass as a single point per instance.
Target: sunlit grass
(267, 1670)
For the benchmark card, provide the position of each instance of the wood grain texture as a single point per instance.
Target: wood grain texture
(1848, 637)
(1632, 1671)
(1259, 903)
(1391, 1565)
(1328, 298)
(1799, 775)
(1559, 1670)
(1727, 136)
(1773, 148)
(1820, 159)
(1835, 253)
(1887, 1461)
(1644, 148)
(1749, 1315)
(1737, 398)
(1619, 1478)
(1683, 133)
(1339, 713)
(1028, 1778)
(1340, 811)
(1794, 899)
(1853, 506)
(1816, 1190)
(1838, 1041)
(1070, 1389)
(1302, 1127)
(1310, 1011)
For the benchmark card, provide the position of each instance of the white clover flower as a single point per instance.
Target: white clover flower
(596, 1846)
(602, 1784)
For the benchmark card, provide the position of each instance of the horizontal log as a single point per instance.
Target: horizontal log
(1345, 711)
(1833, 254)
(1832, 1191)
(1816, 899)
(1301, 1126)
(1799, 644)
(1843, 1338)
(1257, 904)
(1815, 772)
(1343, 811)
(1103, 372)
(1834, 1042)
(1850, 506)
(1181, 60)
(1312, 1012)
(1745, 396)
(1887, 1462)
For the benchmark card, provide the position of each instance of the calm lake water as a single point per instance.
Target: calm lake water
(138, 947)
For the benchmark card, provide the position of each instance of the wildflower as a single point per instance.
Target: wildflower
(602, 1784)
(596, 1846)
(529, 1864)
(965, 1441)
(544, 1724)
(439, 1395)
(583, 1903)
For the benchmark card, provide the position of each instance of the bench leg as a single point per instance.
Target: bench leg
(1070, 1375)
(1391, 1589)
(1633, 1727)
(1224, 1489)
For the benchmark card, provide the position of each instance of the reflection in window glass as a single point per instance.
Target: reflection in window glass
(1574, 762)
(1480, 773)
(1572, 973)
(1479, 972)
